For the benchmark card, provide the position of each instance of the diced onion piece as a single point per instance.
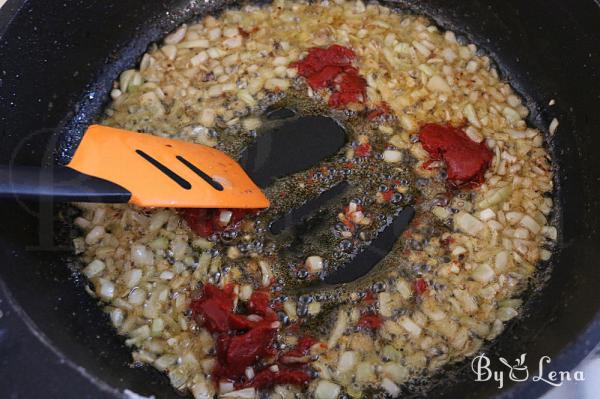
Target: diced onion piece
(225, 217)
(246, 393)
(501, 261)
(365, 372)
(384, 300)
(410, 326)
(158, 220)
(347, 362)
(392, 156)
(327, 390)
(440, 212)
(340, 325)
(550, 232)
(95, 235)
(202, 390)
(106, 289)
(265, 269)
(553, 126)
(225, 387)
(94, 268)
(530, 224)
(468, 223)
(438, 84)
(487, 214)
(132, 277)
(165, 361)
(390, 387)
(141, 255)
(176, 36)
(395, 372)
(117, 316)
(506, 313)
(289, 307)
(137, 296)
(314, 264)
(483, 273)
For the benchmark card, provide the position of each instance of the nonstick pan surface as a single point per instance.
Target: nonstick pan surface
(57, 62)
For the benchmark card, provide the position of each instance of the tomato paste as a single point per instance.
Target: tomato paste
(244, 341)
(421, 286)
(466, 161)
(332, 68)
(206, 222)
(371, 321)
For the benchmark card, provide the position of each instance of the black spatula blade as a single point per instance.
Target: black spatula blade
(369, 257)
(297, 144)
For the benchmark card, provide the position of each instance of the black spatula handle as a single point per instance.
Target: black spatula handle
(62, 184)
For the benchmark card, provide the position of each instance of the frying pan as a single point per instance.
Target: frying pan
(57, 61)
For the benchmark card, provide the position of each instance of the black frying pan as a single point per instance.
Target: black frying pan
(57, 60)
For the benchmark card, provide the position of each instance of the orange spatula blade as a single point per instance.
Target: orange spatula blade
(161, 172)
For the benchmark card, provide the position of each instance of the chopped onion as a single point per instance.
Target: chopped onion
(141, 255)
(384, 300)
(158, 220)
(117, 316)
(132, 277)
(249, 373)
(165, 361)
(487, 214)
(314, 264)
(392, 156)
(395, 372)
(391, 388)
(225, 217)
(246, 393)
(94, 268)
(327, 390)
(340, 326)
(137, 296)
(506, 313)
(106, 290)
(365, 372)
(501, 261)
(95, 235)
(245, 292)
(202, 390)
(265, 269)
(438, 84)
(483, 273)
(530, 224)
(468, 223)
(347, 362)
(410, 326)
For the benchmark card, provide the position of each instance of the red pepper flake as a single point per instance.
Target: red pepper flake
(466, 160)
(362, 150)
(421, 286)
(371, 321)
(332, 68)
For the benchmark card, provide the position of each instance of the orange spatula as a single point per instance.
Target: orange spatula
(114, 165)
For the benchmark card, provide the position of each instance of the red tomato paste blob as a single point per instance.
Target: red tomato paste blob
(371, 321)
(244, 341)
(466, 161)
(332, 68)
(205, 222)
